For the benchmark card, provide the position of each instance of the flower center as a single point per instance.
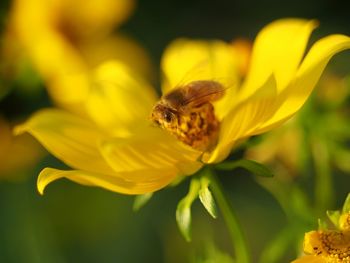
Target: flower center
(188, 114)
(332, 245)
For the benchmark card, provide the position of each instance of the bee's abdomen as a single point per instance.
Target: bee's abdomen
(199, 127)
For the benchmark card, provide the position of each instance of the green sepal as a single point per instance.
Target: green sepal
(183, 211)
(334, 217)
(346, 206)
(206, 197)
(141, 200)
(250, 165)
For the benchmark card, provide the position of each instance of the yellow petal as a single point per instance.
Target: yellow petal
(118, 99)
(242, 120)
(278, 50)
(265, 110)
(238, 125)
(295, 95)
(110, 182)
(150, 149)
(188, 60)
(69, 138)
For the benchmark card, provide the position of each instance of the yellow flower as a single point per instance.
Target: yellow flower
(118, 149)
(66, 39)
(328, 246)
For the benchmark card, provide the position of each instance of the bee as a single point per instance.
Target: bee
(187, 113)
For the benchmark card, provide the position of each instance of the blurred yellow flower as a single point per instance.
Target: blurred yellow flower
(118, 149)
(280, 149)
(66, 39)
(16, 153)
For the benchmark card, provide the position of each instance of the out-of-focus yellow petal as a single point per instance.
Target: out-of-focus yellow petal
(118, 47)
(91, 18)
(151, 148)
(68, 137)
(110, 182)
(278, 50)
(295, 95)
(189, 60)
(242, 51)
(118, 99)
(16, 153)
(310, 259)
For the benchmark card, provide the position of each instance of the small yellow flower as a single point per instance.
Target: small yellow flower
(328, 246)
(66, 39)
(118, 149)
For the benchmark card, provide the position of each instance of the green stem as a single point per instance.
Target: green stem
(238, 241)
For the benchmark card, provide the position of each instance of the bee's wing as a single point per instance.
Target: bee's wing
(202, 91)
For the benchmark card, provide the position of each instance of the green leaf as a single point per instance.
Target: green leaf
(141, 200)
(183, 211)
(206, 197)
(334, 217)
(346, 206)
(250, 165)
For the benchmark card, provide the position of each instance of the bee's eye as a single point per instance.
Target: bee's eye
(167, 116)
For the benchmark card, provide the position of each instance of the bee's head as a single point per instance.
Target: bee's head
(162, 116)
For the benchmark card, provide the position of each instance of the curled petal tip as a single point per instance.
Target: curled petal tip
(46, 176)
(40, 189)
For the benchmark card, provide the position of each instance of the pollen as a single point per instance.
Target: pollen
(198, 128)
(333, 246)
